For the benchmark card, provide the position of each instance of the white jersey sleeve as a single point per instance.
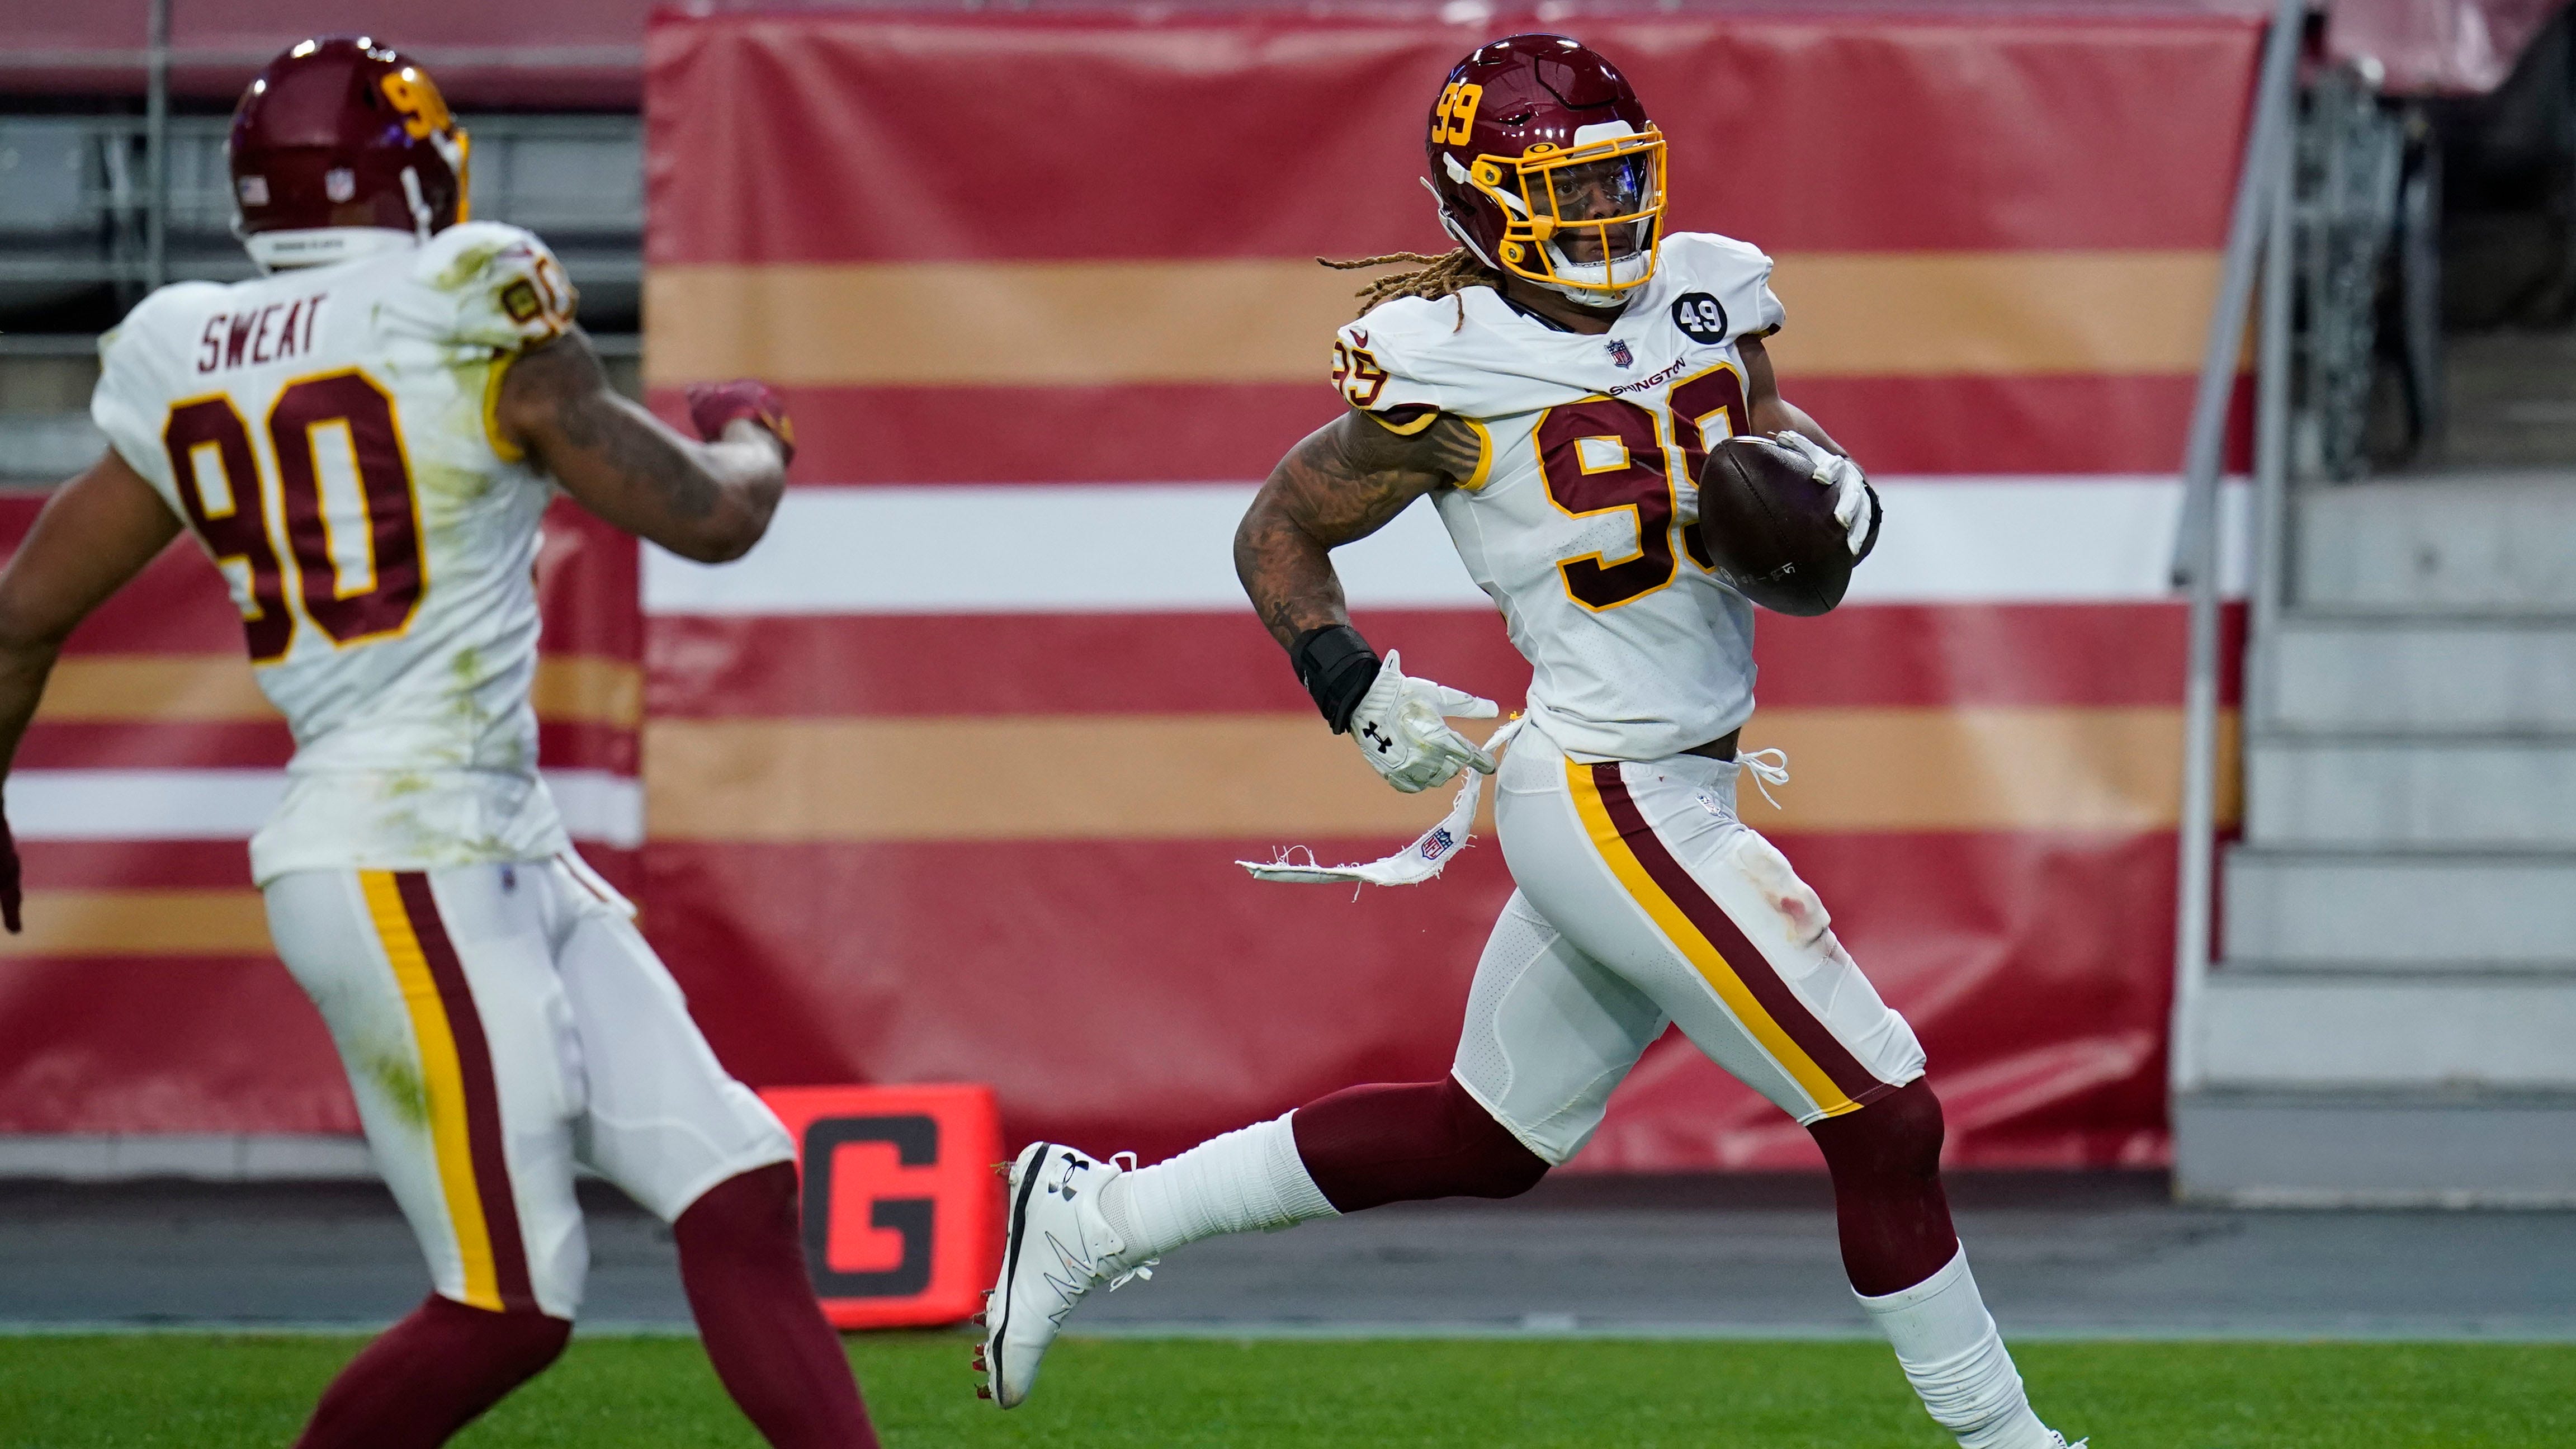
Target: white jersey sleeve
(485, 286)
(139, 376)
(1736, 274)
(1390, 365)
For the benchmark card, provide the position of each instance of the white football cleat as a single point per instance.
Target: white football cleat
(1056, 1247)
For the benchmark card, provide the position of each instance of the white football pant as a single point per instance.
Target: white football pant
(501, 1023)
(1643, 902)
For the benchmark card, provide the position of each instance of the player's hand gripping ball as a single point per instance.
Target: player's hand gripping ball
(1785, 520)
(714, 405)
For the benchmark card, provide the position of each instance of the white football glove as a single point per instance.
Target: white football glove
(1841, 474)
(1399, 727)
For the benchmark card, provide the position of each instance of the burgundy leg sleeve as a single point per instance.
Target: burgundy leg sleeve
(742, 1261)
(430, 1375)
(1886, 1164)
(1401, 1143)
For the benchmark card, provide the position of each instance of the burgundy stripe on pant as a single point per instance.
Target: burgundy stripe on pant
(482, 1097)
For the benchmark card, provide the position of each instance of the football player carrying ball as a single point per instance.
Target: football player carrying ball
(1553, 385)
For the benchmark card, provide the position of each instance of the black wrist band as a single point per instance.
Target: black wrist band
(1337, 666)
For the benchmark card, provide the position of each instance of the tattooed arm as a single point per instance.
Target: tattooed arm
(1342, 483)
(705, 501)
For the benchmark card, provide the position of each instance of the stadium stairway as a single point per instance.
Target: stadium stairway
(2394, 1017)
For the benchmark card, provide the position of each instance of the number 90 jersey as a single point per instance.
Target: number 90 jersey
(1578, 520)
(324, 432)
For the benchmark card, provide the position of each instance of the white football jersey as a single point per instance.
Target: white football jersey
(1579, 520)
(325, 433)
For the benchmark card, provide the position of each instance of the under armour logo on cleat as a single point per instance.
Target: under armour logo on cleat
(1372, 734)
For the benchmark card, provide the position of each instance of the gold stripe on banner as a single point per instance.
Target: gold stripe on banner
(588, 689)
(1067, 324)
(82, 923)
(1985, 314)
(2084, 769)
(219, 689)
(1148, 777)
(156, 688)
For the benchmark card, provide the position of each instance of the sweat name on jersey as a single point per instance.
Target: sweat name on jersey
(261, 337)
(1580, 521)
(323, 434)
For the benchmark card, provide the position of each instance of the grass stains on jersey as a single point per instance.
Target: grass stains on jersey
(378, 540)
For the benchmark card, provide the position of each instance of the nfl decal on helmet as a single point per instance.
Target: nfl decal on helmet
(1546, 167)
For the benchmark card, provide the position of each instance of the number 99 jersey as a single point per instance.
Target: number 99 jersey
(325, 434)
(1578, 520)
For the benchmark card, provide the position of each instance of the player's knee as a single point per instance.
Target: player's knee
(1492, 1162)
(743, 1210)
(1900, 1133)
(512, 1345)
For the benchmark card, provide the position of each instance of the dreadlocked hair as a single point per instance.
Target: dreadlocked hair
(1434, 277)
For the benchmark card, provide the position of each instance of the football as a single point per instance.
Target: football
(1769, 528)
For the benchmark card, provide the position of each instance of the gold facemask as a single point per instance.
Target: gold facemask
(1586, 218)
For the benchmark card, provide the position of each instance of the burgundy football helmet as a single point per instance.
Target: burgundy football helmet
(340, 147)
(1546, 167)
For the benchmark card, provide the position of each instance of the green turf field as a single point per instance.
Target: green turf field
(69, 1393)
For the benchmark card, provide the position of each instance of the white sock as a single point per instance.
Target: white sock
(1246, 1179)
(1947, 1344)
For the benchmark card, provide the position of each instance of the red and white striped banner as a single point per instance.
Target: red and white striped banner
(945, 780)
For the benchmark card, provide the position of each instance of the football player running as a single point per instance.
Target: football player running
(1553, 385)
(363, 439)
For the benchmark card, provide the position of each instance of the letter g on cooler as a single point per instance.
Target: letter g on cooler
(901, 1208)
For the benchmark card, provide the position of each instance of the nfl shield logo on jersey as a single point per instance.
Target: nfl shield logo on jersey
(1620, 354)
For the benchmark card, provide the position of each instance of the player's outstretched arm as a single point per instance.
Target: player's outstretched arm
(707, 501)
(1343, 482)
(96, 532)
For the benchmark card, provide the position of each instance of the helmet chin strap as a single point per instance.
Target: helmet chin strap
(1596, 300)
(1594, 297)
(420, 213)
(1450, 225)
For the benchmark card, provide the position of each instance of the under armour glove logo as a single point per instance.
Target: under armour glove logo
(1398, 725)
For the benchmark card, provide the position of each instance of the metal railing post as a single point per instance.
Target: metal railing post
(2268, 588)
(156, 147)
(2196, 546)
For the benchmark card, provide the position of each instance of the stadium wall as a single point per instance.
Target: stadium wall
(946, 780)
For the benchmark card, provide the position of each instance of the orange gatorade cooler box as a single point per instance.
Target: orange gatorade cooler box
(902, 1210)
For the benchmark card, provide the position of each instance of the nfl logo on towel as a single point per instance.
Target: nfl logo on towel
(1437, 844)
